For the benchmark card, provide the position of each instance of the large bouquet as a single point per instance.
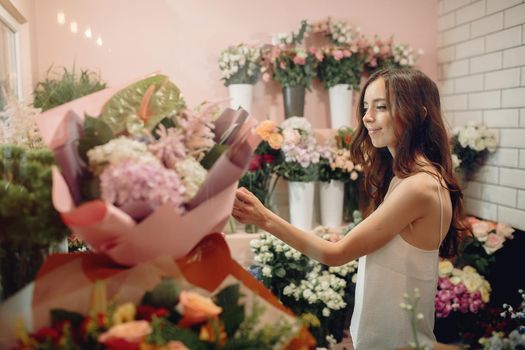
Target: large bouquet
(290, 66)
(487, 238)
(240, 64)
(463, 291)
(145, 175)
(318, 292)
(300, 151)
(471, 144)
(340, 65)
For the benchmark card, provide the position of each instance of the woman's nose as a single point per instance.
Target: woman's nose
(368, 118)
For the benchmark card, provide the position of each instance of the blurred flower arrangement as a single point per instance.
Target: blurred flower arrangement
(460, 290)
(335, 161)
(384, 53)
(300, 151)
(318, 292)
(487, 238)
(410, 305)
(168, 317)
(509, 334)
(260, 177)
(339, 65)
(240, 64)
(472, 144)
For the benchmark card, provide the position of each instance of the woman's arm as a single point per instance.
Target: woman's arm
(407, 203)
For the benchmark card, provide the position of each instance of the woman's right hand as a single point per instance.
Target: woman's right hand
(247, 209)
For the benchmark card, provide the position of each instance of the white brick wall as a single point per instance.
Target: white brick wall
(482, 79)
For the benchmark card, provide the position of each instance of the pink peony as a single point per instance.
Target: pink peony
(299, 60)
(338, 54)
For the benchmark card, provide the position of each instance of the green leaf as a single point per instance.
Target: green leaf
(213, 155)
(228, 296)
(232, 318)
(280, 272)
(121, 112)
(96, 132)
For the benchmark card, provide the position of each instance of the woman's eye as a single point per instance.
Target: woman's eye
(381, 107)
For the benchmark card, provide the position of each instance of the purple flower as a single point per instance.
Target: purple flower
(150, 183)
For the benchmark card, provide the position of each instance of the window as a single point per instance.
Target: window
(9, 58)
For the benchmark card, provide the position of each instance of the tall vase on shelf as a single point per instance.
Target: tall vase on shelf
(293, 100)
(340, 97)
(331, 199)
(301, 199)
(241, 95)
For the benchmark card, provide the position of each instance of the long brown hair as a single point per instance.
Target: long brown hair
(413, 101)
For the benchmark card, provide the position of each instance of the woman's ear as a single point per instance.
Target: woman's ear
(424, 112)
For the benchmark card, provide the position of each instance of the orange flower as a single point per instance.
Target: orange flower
(197, 308)
(275, 140)
(133, 332)
(207, 333)
(265, 128)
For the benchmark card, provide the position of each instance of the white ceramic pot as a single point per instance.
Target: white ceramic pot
(340, 97)
(241, 96)
(332, 199)
(301, 199)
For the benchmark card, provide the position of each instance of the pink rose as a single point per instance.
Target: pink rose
(299, 60)
(312, 50)
(504, 230)
(347, 53)
(338, 54)
(481, 230)
(282, 65)
(493, 243)
(319, 56)
(132, 332)
(266, 77)
(197, 308)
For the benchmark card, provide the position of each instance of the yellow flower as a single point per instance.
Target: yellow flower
(207, 332)
(275, 140)
(485, 294)
(445, 268)
(265, 128)
(124, 313)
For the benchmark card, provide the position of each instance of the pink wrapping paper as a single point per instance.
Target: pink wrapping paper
(107, 229)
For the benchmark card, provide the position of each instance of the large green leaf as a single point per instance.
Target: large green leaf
(121, 112)
(96, 132)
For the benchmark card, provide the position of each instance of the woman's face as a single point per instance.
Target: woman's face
(377, 119)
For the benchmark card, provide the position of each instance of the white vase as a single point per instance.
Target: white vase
(332, 199)
(241, 96)
(301, 199)
(340, 105)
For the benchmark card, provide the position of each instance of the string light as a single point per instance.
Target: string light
(73, 26)
(87, 33)
(99, 41)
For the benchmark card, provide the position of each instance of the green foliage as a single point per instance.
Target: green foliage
(122, 111)
(164, 295)
(62, 85)
(292, 74)
(471, 160)
(347, 70)
(472, 253)
(294, 171)
(96, 132)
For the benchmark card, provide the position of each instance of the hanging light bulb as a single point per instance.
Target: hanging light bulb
(87, 33)
(73, 26)
(61, 18)
(99, 41)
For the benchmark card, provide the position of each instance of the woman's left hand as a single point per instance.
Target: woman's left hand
(247, 209)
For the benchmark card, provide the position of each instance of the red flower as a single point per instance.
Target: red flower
(255, 163)
(120, 344)
(267, 158)
(146, 312)
(47, 333)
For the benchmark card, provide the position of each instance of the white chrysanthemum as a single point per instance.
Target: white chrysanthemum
(192, 174)
(297, 123)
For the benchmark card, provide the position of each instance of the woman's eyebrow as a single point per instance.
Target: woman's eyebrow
(376, 100)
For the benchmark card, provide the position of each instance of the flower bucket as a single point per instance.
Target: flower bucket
(301, 199)
(332, 198)
(293, 99)
(340, 97)
(241, 96)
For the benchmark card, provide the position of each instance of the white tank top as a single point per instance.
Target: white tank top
(378, 322)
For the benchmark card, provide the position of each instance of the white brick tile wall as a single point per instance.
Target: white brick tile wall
(512, 217)
(486, 25)
(514, 57)
(473, 189)
(485, 63)
(471, 12)
(483, 100)
(455, 69)
(513, 97)
(522, 118)
(512, 178)
(449, 5)
(514, 16)
(463, 118)
(522, 159)
(487, 174)
(521, 199)
(507, 157)
(447, 21)
(446, 87)
(470, 48)
(481, 209)
(502, 79)
(501, 40)
(523, 76)
(469, 83)
(454, 103)
(447, 54)
(456, 35)
(501, 118)
(498, 5)
(499, 194)
(512, 138)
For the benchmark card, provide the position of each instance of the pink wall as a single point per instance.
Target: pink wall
(183, 38)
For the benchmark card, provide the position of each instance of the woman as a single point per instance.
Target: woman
(415, 213)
